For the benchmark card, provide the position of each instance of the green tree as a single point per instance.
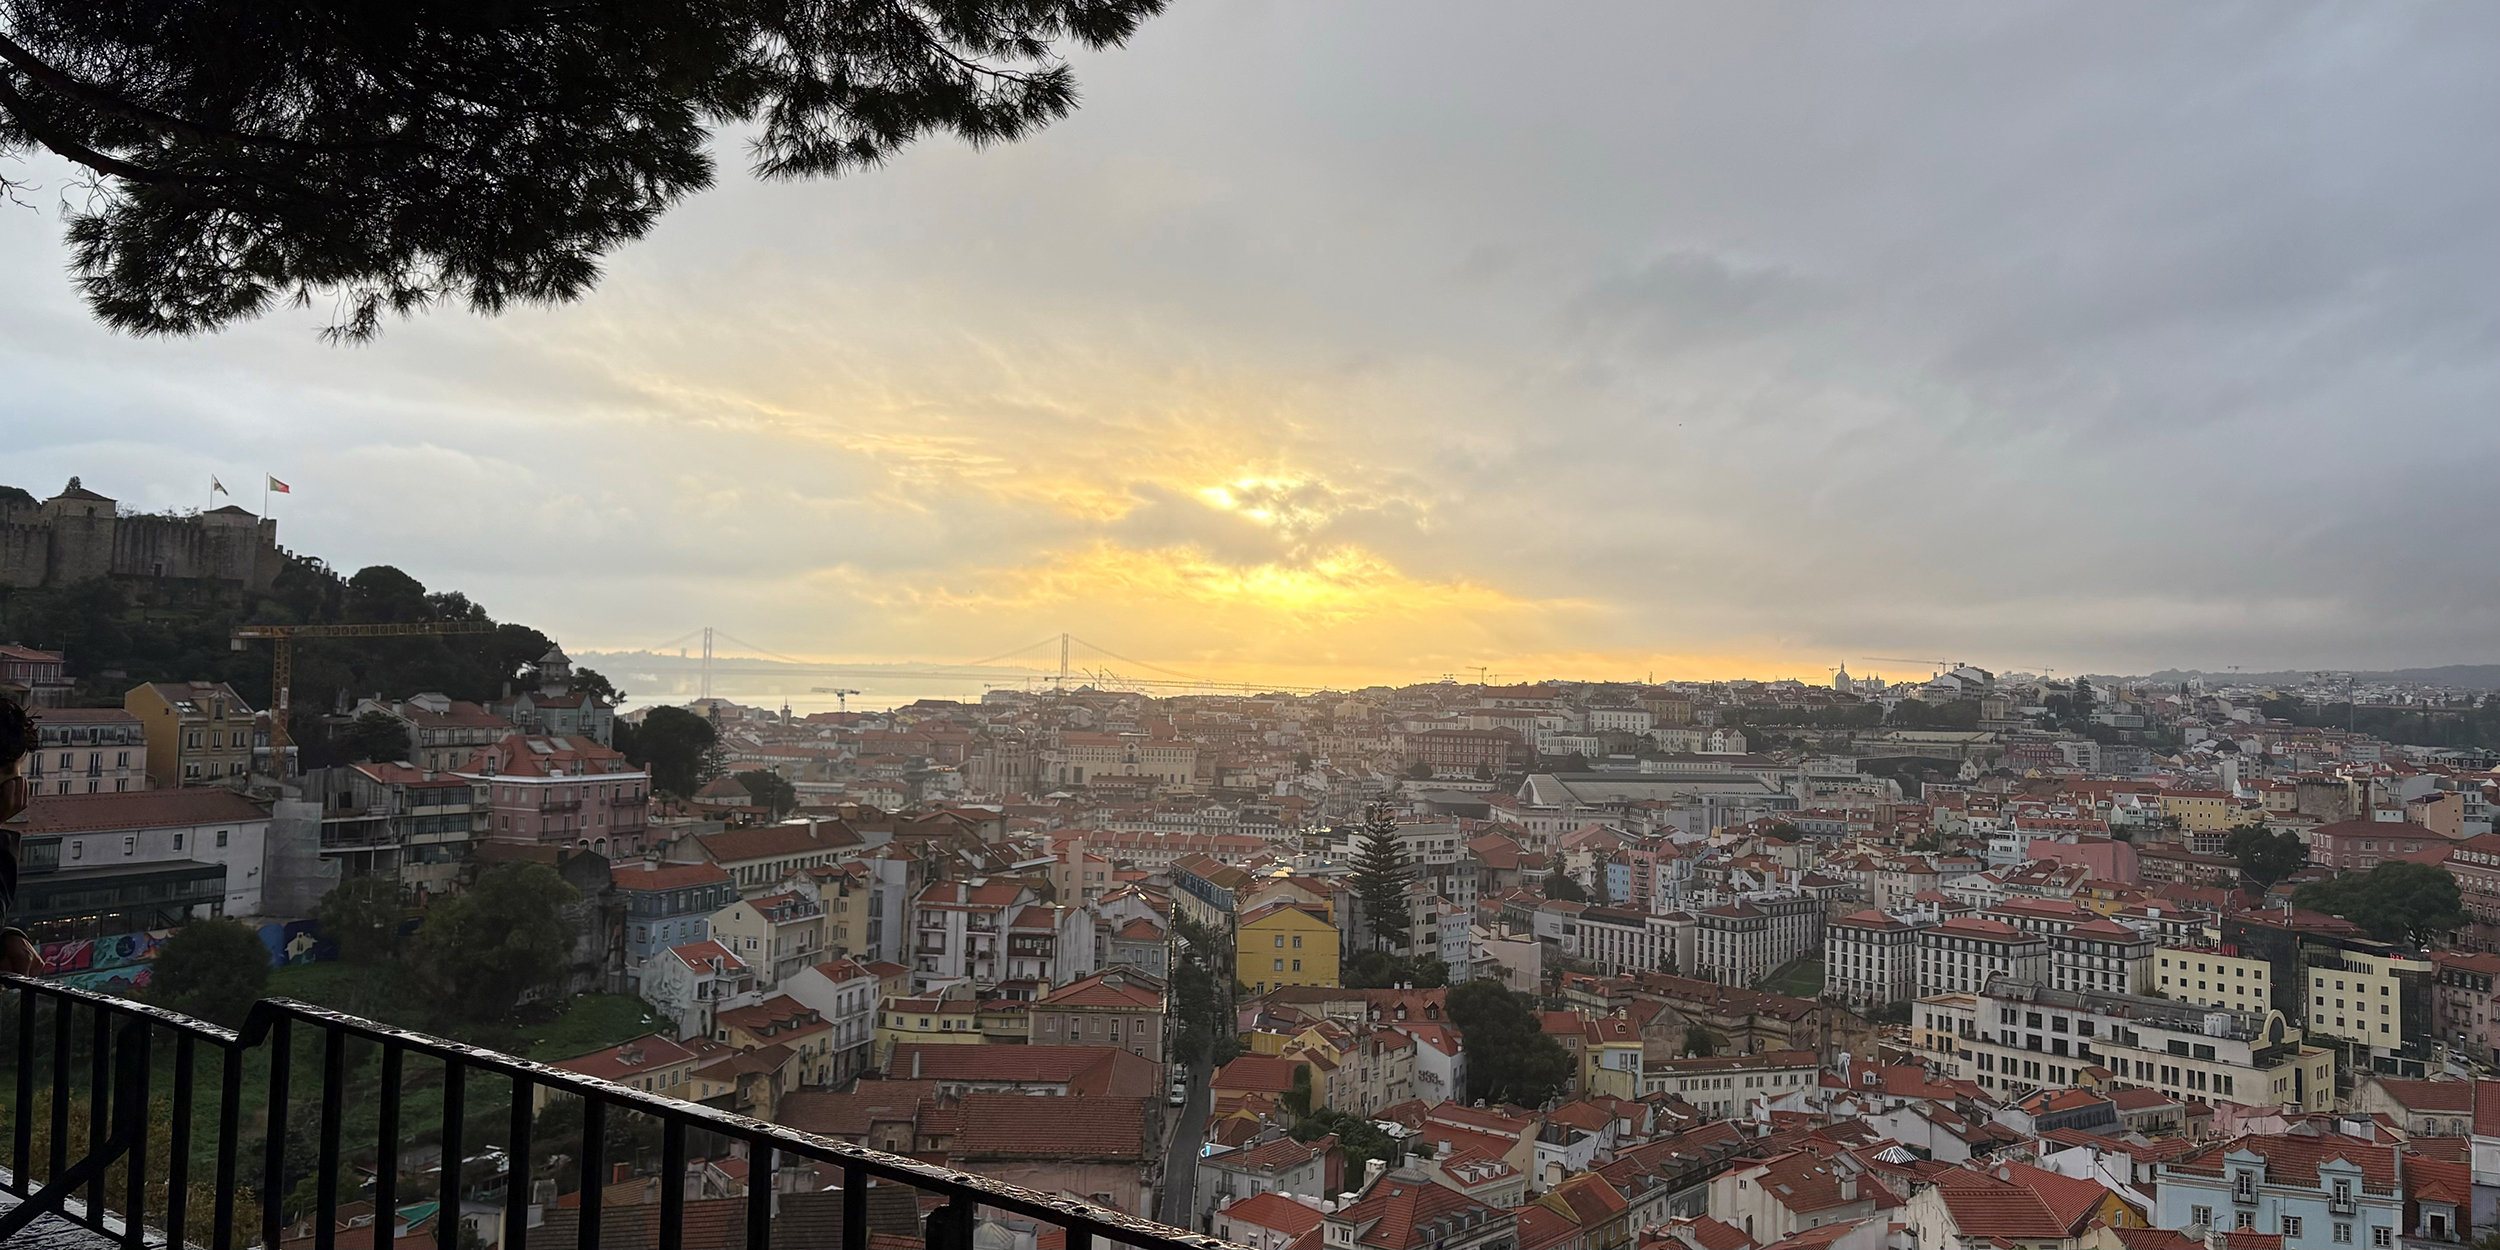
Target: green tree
(1419, 771)
(1382, 970)
(1379, 879)
(1698, 1043)
(381, 594)
(374, 738)
(770, 790)
(1361, 1140)
(481, 952)
(592, 681)
(1559, 885)
(213, 969)
(362, 915)
(1298, 1098)
(239, 155)
(2265, 856)
(1509, 1057)
(672, 742)
(2398, 901)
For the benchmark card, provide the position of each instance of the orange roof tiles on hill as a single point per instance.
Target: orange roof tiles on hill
(1273, 1211)
(1406, 1211)
(136, 809)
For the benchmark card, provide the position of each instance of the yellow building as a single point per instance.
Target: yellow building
(1286, 942)
(2212, 978)
(2359, 996)
(199, 733)
(2198, 811)
(928, 1021)
(1610, 1060)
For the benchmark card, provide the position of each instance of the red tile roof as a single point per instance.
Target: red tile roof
(1405, 1210)
(1019, 1126)
(136, 809)
(1272, 1211)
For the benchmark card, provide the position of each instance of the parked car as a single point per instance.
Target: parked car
(1180, 1090)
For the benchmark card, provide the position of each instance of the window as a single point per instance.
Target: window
(2291, 1226)
(1280, 941)
(2343, 1233)
(1280, 966)
(2244, 1220)
(2382, 1236)
(177, 841)
(130, 844)
(221, 837)
(77, 850)
(2201, 1215)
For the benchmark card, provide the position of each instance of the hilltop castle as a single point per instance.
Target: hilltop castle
(79, 534)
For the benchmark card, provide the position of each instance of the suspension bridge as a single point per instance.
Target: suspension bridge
(1071, 674)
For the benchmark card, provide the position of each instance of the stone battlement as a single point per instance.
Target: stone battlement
(79, 534)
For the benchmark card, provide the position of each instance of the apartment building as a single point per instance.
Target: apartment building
(95, 865)
(2315, 1193)
(1961, 955)
(86, 750)
(2375, 999)
(443, 733)
(1742, 942)
(1724, 1085)
(668, 905)
(844, 993)
(199, 733)
(2213, 976)
(564, 792)
(1620, 940)
(2016, 1037)
(2103, 957)
(1121, 1007)
(1870, 959)
(776, 934)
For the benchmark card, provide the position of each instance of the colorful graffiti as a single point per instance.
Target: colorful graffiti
(119, 964)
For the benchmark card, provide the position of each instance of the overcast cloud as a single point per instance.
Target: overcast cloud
(1380, 340)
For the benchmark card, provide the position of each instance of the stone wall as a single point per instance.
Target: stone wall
(233, 548)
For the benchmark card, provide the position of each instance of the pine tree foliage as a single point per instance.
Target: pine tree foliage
(1380, 879)
(389, 156)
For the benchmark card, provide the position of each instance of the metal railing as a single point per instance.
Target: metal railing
(120, 1069)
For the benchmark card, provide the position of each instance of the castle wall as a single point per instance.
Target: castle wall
(39, 550)
(25, 553)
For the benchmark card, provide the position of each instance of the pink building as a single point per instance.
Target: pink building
(554, 790)
(2108, 858)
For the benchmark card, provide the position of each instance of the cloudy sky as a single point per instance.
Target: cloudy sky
(1378, 341)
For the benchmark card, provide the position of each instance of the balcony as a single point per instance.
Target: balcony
(154, 1171)
(560, 805)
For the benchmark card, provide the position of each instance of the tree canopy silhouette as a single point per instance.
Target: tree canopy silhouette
(387, 157)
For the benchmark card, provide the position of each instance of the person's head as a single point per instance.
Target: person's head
(17, 737)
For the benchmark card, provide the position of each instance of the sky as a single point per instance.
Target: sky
(1347, 343)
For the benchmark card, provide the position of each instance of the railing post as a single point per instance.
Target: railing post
(132, 1103)
(20, 1180)
(273, 1151)
(333, 1105)
(950, 1226)
(386, 1155)
(516, 1188)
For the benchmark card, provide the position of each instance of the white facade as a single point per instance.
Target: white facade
(1870, 959)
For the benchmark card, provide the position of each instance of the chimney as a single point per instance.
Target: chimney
(1849, 1189)
(915, 1064)
(1373, 1170)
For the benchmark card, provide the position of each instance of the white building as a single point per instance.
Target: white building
(1962, 954)
(691, 984)
(109, 863)
(844, 994)
(1870, 959)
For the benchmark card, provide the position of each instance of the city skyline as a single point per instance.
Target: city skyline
(1745, 344)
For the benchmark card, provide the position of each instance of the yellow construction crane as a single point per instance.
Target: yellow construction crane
(843, 693)
(282, 660)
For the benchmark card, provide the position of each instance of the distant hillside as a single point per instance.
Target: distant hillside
(2456, 676)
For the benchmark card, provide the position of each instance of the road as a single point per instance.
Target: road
(1180, 1160)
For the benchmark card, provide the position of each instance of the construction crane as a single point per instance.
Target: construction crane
(842, 693)
(282, 660)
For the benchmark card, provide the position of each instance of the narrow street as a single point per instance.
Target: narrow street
(1180, 1162)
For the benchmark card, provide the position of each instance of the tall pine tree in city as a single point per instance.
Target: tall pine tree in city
(1380, 878)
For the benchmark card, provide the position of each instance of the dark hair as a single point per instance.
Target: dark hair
(17, 734)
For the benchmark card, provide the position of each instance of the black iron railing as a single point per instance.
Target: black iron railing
(116, 1051)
